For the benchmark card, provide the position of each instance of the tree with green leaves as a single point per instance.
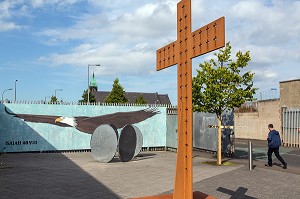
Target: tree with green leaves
(85, 97)
(53, 100)
(140, 100)
(117, 94)
(221, 85)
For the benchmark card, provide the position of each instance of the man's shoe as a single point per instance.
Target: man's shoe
(285, 166)
(267, 165)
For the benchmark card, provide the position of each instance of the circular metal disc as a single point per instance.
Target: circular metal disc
(139, 140)
(116, 131)
(104, 143)
(127, 143)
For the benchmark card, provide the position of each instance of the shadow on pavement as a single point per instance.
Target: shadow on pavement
(238, 194)
(139, 157)
(241, 154)
(277, 164)
(40, 175)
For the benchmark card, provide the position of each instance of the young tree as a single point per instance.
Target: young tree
(85, 97)
(140, 100)
(117, 94)
(220, 85)
(53, 100)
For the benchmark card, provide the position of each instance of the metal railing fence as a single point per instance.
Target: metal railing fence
(291, 127)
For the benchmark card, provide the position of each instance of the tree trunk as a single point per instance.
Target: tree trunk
(219, 162)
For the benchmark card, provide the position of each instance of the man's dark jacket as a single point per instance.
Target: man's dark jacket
(274, 139)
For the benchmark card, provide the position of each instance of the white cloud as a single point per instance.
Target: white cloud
(265, 74)
(123, 35)
(5, 14)
(57, 3)
(277, 23)
(267, 55)
(114, 59)
(122, 45)
(6, 26)
(37, 3)
(10, 10)
(6, 8)
(130, 36)
(143, 23)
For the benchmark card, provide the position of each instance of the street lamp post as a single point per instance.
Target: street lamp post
(16, 90)
(57, 90)
(46, 98)
(9, 89)
(88, 91)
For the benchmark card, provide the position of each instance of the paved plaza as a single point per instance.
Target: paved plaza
(78, 175)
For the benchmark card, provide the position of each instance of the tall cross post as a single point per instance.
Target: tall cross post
(187, 46)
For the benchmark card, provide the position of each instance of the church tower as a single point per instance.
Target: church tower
(93, 84)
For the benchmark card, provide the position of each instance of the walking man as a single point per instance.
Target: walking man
(274, 143)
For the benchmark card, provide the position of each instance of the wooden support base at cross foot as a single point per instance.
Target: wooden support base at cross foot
(196, 195)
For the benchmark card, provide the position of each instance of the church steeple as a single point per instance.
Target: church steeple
(93, 84)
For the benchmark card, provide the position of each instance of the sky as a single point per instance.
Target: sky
(47, 45)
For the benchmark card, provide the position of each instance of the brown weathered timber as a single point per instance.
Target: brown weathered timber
(187, 46)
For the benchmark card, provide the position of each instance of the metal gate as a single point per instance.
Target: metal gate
(291, 127)
(204, 138)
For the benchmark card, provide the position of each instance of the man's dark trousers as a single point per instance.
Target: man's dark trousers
(276, 151)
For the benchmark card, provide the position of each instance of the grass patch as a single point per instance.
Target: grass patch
(214, 163)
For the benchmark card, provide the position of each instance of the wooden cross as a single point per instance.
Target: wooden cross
(187, 46)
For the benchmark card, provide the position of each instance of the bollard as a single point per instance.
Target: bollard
(250, 152)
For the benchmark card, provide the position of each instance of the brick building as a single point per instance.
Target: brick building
(150, 98)
(253, 124)
(290, 93)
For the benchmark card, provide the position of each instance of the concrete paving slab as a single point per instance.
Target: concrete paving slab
(258, 183)
(78, 175)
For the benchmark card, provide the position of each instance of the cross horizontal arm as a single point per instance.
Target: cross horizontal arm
(166, 56)
(208, 38)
